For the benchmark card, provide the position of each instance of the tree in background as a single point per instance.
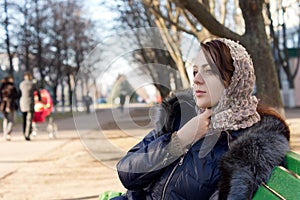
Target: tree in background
(254, 38)
(52, 38)
(121, 87)
(147, 54)
(280, 50)
(172, 26)
(10, 44)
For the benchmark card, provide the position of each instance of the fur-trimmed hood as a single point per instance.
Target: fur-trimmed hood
(252, 156)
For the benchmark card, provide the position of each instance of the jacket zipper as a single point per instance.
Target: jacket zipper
(170, 176)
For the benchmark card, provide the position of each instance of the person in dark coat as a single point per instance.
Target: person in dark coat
(8, 97)
(223, 149)
(122, 97)
(88, 101)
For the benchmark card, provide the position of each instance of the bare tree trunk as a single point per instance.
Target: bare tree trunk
(70, 89)
(40, 63)
(172, 39)
(255, 40)
(62, 93)
(54, 92)
(26, 38)
(7, 40)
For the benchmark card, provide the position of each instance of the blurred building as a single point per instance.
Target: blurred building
(291, 96)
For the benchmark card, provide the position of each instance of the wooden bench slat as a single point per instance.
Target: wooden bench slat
(284, 183)
(263, 193)
(293, 162)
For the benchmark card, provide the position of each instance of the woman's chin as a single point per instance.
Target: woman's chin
(201, 106)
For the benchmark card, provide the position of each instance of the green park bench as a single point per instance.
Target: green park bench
(108, 195)
(284, 182)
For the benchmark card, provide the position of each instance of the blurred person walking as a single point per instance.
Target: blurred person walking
(88, 101)
(27, 88)
(122, 100)
(9, 105)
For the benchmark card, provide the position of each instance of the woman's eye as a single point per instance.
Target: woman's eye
(194, 73)
(208, 71)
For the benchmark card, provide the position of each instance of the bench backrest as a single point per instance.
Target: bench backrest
(284, 183)
(293, 162)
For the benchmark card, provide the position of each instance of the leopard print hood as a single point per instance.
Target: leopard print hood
(237, 106)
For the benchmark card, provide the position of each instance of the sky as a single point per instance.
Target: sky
(102, 16)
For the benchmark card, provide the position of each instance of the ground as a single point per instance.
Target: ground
(68, 167)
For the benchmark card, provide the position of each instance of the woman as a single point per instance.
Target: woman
(224, 151)
(28, 88)
(9, 97)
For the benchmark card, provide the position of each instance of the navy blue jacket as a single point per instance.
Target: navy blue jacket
(149, 171)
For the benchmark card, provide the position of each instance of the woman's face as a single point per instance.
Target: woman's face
(208, 87)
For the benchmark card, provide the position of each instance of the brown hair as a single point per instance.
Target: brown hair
(28, 75)
(267, 110)
(10, 78)
(218, 54)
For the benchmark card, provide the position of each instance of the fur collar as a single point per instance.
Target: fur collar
(175, 111)
(251, 158)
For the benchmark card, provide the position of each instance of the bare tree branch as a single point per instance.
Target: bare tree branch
(201, 13)
(156, 13)
(171, 40)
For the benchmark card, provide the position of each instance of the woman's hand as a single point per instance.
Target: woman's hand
(194, 129)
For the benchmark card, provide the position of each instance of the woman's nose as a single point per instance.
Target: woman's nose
(198, 79)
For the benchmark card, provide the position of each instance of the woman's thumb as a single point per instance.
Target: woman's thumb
(207, 113)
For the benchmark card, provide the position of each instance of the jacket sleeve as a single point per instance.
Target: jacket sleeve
(251, 158)
(15, 94)
(146, 160)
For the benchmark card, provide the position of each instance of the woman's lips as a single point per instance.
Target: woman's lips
(199, 93)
